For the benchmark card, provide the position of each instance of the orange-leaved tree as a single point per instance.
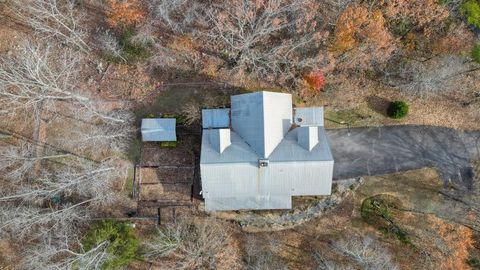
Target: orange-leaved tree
(124, 13)
(363, 35)
(316, 80)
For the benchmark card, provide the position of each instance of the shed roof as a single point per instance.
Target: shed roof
(158, 129)
(312, 116)
(215, 118)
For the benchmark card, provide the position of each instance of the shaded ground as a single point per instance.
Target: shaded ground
(381, 150)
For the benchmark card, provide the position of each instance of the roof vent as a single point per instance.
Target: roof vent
(263, 163)
(220, 139)
(307, 137)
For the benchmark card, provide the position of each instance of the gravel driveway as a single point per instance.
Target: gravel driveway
(381, 150)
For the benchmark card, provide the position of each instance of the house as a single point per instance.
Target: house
(158, 129)
(265, 154)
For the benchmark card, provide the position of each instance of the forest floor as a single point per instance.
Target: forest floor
(420, 210)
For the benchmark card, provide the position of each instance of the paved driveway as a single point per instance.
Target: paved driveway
(380, 150)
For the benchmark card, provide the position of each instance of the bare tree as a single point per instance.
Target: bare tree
(324, 264)
(260, 256)
(247, 32)
(430, 77)
(110, 46)
(366, 252)
(178, 15)
(166, 241)
(31, 221)
(194, 243)
(40, 77)
(90, 181)
(52, 18)
(96, 135)
(61, 252)
(191, 111)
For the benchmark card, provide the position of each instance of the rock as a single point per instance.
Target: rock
(99, 67)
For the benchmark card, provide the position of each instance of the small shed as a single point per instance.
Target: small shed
(215, 118)
(159, 130)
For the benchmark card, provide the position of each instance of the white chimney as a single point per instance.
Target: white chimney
(307, 137)
(220, 139)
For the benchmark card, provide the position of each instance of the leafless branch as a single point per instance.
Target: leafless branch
(52, 18)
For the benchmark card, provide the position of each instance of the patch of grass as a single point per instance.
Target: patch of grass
(377, 210)
(133, 151)
(374, 206)
(179, 117)
(475, 53)
(168, 144)
(129, 182)
(351, 116)
(470, 9)
(122, 243)
(131, 51)
(297, 100)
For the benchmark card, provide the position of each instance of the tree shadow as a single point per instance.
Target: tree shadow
(378, 104)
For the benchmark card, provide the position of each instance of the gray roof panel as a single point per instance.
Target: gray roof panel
(216, 118)
(312, 116)
(158, 129)
(262, 119)
(288, 150)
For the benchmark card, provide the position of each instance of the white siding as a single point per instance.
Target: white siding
(245, 181)
(229, 180)
(303, 178)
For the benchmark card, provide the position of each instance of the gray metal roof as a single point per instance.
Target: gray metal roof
(294, 162)
(158, 129)
(312, 116)
(215, 118)
(287, 150)
(262, 119)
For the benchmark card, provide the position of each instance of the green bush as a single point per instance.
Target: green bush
(123, 245)
(378, 211)
(397, 109)
(470, 9)
(474, 263)
(402, 26)
(475, 53)
(132, 50)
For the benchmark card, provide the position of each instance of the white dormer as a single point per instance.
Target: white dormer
(307, 137)
(220, 139)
